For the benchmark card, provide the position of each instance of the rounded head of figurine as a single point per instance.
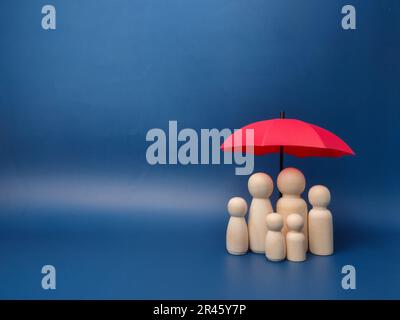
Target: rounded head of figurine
(319, 196)
(295, 222)
(291, 181)
(237, 207)
(274, 221)
(260, 185)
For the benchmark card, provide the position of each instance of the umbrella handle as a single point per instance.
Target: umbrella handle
(282, 116)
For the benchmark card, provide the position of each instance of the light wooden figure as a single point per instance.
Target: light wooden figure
(237, 236)
(275, 246)
(291, 183)
(295, 239)
(260, 187)
(320, 221)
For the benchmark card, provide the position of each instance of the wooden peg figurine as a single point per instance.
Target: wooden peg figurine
(291, 183)
(320, 221)
(237, 236)
(295, 239)
(260, 187)
(275, 246)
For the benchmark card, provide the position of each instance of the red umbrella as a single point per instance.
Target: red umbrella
(291, 136)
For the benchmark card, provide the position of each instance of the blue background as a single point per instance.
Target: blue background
(76, 103)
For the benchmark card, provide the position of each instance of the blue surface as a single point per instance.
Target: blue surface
(76, 104)
(110, 255)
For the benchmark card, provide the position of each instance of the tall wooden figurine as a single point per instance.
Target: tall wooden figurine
(291, 183)
(260, 187)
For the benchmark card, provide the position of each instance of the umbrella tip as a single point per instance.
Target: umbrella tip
(282, 114)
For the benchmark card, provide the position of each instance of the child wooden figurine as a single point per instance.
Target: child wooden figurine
(295, 239)
(275, 246)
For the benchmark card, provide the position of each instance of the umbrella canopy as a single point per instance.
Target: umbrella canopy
(295, 137)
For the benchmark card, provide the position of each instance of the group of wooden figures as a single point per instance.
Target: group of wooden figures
(290, 231)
